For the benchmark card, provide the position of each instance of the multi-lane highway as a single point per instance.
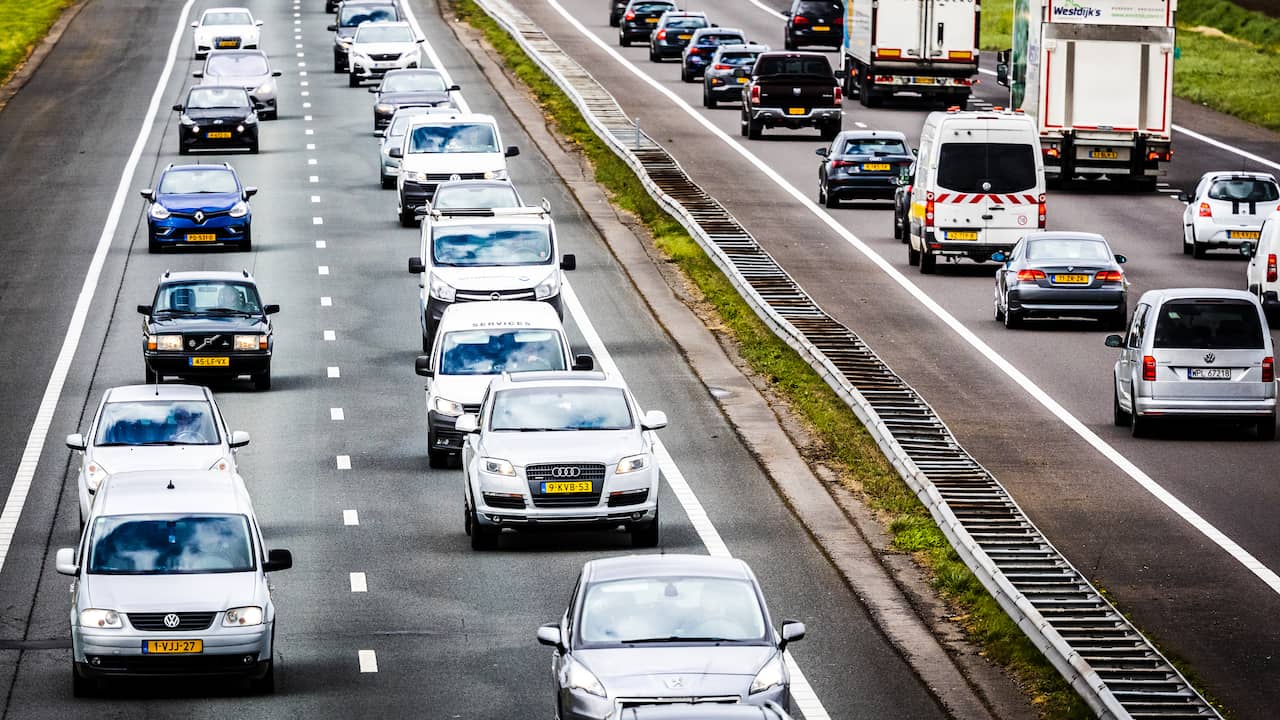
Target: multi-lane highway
(387, 612)
(1177, 529)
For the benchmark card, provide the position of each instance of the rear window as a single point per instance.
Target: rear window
(353, 15)
(1209, 325)
(691, 23)
(1246, 190)
(721, 39)
(987, 167)
(793, 66)
(820, 7)
(737, 59)
(871, 146)
(652, 7)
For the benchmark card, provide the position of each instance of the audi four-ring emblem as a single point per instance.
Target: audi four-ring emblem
(566, 472)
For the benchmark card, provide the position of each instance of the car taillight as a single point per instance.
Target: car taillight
(1030, 276)
(839, 95)
(1271, 267)
(1148, 368)
(1205, 210)
(629, 16)
(693, 51)
(928, 210)
(1044, 213)
(755, 95)
(1110, 276)
(1268, 369)
(842, 163)
(662, 34)
(721, 66)
(800, 20)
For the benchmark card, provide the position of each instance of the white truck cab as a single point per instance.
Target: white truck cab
(476, 342)
(446, 146)
(979, 186)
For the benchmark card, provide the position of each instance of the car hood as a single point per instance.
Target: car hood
(454, 162)
(465, 389)
(414, 98)
(226, 114)
(209, 202)
(693, 670)
(246, 81)
(489, 279)
(171, 593)
(157, 457)
(347, 31)
(524, 448)
(380, 48)
(226, 324)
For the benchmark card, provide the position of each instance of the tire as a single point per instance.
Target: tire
(183, 149)
(388, 182)
(353, 80)
(482, 538)
(743, 125)
(755, 129)
(337, 66)
(905, 230)
(1197, 251)
(1012, 320)
(1119, 320)
(897, 227)
(152, 246)
(831, 201)
(1118, 415)
(1139, 426)
(707, 100)
(253, 149)
(265, 685)
(247, 244)
(913, 255)
(437, 459)
(407, 218)
(1187, 247)
(1267, 429)
(999, 311)
(684, 74)
(614, 21)
(787, 42)
(648, 535)
(623, 40)
(865, 96)
(262, 380)
(82, 687)
(271, 115)
(653, 56)
(929, 264)
(149, 375)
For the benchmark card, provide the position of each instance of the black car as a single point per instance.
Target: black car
(208, 324)
(902, 206)
(697, 53)
(617, 8)
(350, 14)
(673, 31)
(862, 164)
(409, 88)
(814, 22)
(719, 80)
(215, 116)
(639, 18)
(1061, 274)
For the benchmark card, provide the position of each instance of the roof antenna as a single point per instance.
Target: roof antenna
(170, 485)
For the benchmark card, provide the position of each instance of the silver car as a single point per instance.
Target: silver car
(455, 194)
(171, 580)
(393, 137)
(1195, 352)
(559, 449)
(250, 70)
(666, 629)
(147, 427)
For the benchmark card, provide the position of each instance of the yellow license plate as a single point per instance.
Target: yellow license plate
(822, 28)
(172, 647)
(742, 81)
(1243, 234)
(1104, 154)
(202, 237)
(925, 81)
(881, 167)
(566, 487)
(1072, 279)
(684, 37)
(210, 362)
(795, 111)
(228, 43)
(223, 135)
(651, 20)
(962, 235)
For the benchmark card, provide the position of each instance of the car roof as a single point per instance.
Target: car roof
(194, 491)
(249, 51)
(521, 216)
(476, 183)
(453, 118)
(1063, 235)
(794, 53)
(386, 23)
(743, 47)
(557, 378)
(1230, 174)
(642, 566)
(500, 313)
(412, 71)
(188, 275)
(726, 30)
(1163, 295)
(869, 134)
(684, 13)
(199, 166)
(155, 391)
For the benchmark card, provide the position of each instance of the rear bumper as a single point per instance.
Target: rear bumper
(980, 250)
(1206, 408)
(668, 50)
(778, 117)
(1217, 236)
(848, 186)
(826, 38)
(1063, 301)
(635, 31)
(728, 88)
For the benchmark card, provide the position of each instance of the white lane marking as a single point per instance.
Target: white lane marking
(359, 583)
(302, 73)
(336, 414)
(330, 335)
(368, 661)
(301, 64)
(326, 301)
(333, 371)
(312, 161)
(307, 118)
(317, 220)
(309, 131)
(434, 57)
(1231, 547)
(767, 9)
(297, 46)
(323, 269)
(321, 244)
(306, 105)
(297, 14)
(344, 462)
(297, 22)
(350, 517)
(859, 124)
(30, 460)
(314, 178)
(314, 198)
(306, 93)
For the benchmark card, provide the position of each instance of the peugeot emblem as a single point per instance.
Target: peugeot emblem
(1210, 357)
(172, 620)
(674, 683)
(199, 216)
(191, 343)
(217, 122)
(795, 91)
(566, 472)
(495, 296)
(1070, 268)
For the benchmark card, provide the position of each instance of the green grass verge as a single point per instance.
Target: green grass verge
(996, 31)
(846, 446)
(22, 24)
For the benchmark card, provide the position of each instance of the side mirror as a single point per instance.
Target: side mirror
(416, 266)
(276, 73)
(396, 153)
(454, 88)
(915, 152)
(1115, 341)
(148, 194)
(569, 262)
(1247, 249)
(198, 74)
(75, 441)
(380, 133)
(512, 151)
(998, 257)
(422, 366)
(195, 24)
(549, 634)
(177, 107)
(270, 309)
(144, 309)
(584, 362)
(257, 23)
(239, 438)
(65, 561)
(1182, 195)
(250, 191)
(1002, 67)
(277, 560)
(468, 423)
(1121, 259)
(420, 40)
(653, 420)
(375, 90)
(331, 28)
(822, 152)
(791, 631)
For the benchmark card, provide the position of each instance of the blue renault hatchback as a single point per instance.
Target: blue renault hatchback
(199, 205)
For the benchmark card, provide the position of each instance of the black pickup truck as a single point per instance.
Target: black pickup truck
(792, 90)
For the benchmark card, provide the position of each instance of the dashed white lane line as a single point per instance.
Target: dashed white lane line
(312, 161)
(297, 22)
(306, 105)
(309, 131)
(330, 335)
(302, 73)
(326, 301)
(334, 372)
(305, 83)
(297, 46)
(306, 118)
(312, 146)
(317, 220)
(368, 661)
(323, 269)
(306, 93)
(336, 414)
(359, 583)
(297, 15)
(321, 244)
(344, 462)
(302, 64)
(859, 124)
(314, 178)
(350, 517)
(314, 198)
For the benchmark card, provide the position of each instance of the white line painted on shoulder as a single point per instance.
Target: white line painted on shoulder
(323, 269)
(330, 335)
(333, 371)
(326, 301)
(350, 517)
(317, 220)
(344, 462)
(336, 414)
(359, 582)
(368, 661)
(321, 244)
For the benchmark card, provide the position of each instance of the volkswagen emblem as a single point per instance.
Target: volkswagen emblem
(455, 176)
(199, 216)
(1210, 357)
(795, 91)
(674, 683)
(566, 472)
(495, 296)
(172, 620)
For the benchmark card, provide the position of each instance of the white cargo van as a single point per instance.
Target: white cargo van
(475, 343)
(979, 186)
(1263, 275)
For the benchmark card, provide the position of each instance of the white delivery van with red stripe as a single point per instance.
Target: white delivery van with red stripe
(979, 186)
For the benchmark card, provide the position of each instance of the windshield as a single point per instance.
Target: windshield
(236, 65)
(490, 352)
(454, 138)
(353, 15)
(170, 545)
(1069, 249)
(685, 23)
(987, 167)
(204, 98)
(873, 146)
(561, 408)
(413, 82)
(737, 59)
(466, 245)
(376, 34)
(822, 8)
(793, 66)
(1245, 190)
(159, 422)
(188, 182)
(207, 297)
(1209, 325)
(671, 609)
(227, 18)
(474, 196)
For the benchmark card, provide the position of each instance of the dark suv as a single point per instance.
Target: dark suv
(673, 31)
(815, 22)
(639, 17)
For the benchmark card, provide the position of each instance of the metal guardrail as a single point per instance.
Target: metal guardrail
(1110, 664)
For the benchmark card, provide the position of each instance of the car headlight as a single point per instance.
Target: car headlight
(773, 673)
(251, 119)
(497, 467)
(185, 119)
(549, 287)
(250, 342)
(442, 290)
(384, 108)
(578, 677)
(242, 616)
(94, 474)
(447, 407)
(158, 211)
(631, 464)
(240, 209)
(415, 176)
(95, 618)
(164, 342)
(495, 175)
(265, 88)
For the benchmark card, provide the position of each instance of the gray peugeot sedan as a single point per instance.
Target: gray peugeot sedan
(666, 629)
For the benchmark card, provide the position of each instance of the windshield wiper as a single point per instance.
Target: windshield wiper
(228, 311)
(676, 638)
(183, 313)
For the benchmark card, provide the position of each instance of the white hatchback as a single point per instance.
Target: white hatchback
(1226, 210)
(225, 28)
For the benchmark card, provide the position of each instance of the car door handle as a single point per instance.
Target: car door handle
(988, 217)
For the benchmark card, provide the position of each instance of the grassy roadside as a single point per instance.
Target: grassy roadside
(22, 24)
(845, 444)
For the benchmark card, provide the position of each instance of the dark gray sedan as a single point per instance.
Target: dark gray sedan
(410, 88)
(1061, 274)
(668, 629)
(862, 164)
(718, 81)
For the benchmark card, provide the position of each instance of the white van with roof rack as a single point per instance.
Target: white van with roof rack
(979, 186)
(485, 254)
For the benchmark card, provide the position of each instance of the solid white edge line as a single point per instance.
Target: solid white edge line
(344, 462)
(350, 517)
(434, 57)
(30, 460)
(359, 583)
(333, 371)
(368, 661)
(1231, 547)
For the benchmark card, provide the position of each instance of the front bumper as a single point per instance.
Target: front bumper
(779, 117)
(416, 195)
(116, 653)
(446, 436)
(376, 69)
(242, 135)
(578, 705)
(179, 364)
(1033, 300)
(174, 231)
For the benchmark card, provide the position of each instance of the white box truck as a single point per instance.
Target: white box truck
(929, 47)
(1097, 76)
